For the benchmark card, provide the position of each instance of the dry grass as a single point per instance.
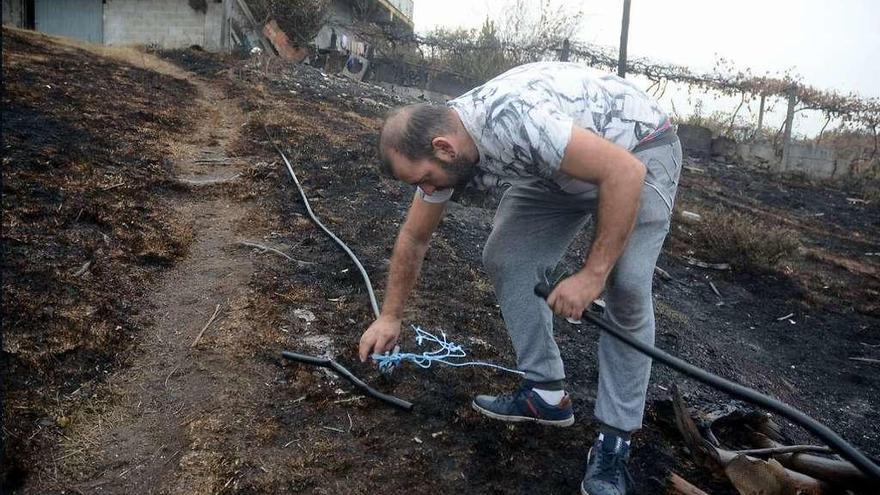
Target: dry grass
(129, 54)
(742, 240)
(481, 283)
(675, 317)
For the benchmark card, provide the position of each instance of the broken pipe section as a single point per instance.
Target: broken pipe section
(345, 373)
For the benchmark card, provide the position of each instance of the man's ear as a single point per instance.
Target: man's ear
(443, 148)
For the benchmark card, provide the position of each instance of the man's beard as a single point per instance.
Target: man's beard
(460, 171)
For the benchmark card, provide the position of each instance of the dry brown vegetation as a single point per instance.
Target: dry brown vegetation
(747, 243)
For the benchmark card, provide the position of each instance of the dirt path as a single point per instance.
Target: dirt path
(153, 430)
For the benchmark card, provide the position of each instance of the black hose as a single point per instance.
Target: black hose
(373, 302)
(325, 362)
(821, 431)
(345, 373)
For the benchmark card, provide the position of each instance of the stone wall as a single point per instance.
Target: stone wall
(759, 153)
(805, 159)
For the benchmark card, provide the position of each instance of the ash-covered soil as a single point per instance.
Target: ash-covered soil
(197, 60)
(86, 220)
(230, 416)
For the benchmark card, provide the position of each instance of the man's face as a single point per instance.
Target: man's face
(433, 174)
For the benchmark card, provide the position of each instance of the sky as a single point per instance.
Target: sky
(832, 44)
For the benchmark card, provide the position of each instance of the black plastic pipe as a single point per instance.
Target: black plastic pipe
(374, 304)
(832, 439)
(345, 373)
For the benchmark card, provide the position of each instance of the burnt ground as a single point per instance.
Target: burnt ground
(86, 222)
(166, 414)
(196, 60)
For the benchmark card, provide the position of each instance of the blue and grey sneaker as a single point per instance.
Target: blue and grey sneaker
(606, 468)
(525, 405)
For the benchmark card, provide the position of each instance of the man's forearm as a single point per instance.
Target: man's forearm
(616, 216)
(406, 262)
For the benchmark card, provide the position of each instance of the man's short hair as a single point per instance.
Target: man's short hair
(410, 131)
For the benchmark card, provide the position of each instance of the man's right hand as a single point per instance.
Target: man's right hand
(406, 260)
(380, 337)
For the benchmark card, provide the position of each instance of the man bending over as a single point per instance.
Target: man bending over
(567, 145)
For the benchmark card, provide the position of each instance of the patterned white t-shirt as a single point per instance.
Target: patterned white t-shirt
(521, 121)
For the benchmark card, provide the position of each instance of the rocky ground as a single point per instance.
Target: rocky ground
(146, 329)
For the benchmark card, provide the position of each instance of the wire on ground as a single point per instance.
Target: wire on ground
(446, 350)
(373, 302)
(326, 362)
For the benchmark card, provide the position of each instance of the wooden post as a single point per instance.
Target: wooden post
(624, 34)
(565, 52)
(789, 120)
(761, 115)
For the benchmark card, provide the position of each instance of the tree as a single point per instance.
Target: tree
(520, 32)
(536, 27)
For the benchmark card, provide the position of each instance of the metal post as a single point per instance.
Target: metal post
(789, 120)
(624, 34)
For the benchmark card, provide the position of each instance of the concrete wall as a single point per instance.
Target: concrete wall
(805, 159)
(815, 162)
(13, 12)
(167, 23)
(215, 17)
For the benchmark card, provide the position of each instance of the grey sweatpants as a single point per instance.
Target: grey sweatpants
(532, 230)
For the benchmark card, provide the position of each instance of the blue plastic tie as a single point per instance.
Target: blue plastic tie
(387, 362)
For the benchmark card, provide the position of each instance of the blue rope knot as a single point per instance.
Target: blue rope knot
(446, 350)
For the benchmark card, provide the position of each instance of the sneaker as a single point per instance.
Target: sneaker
(606, 468)
(525, 405)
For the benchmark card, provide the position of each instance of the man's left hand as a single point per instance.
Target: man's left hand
(572, 296)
